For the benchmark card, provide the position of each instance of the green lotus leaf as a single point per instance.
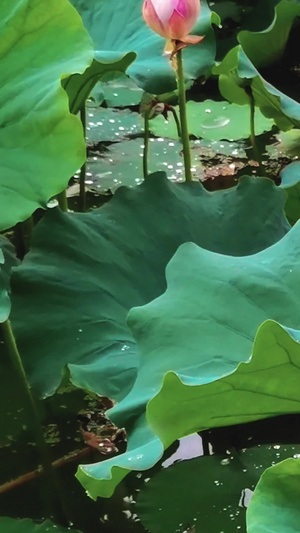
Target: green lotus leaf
(118, 27)
(167, 501)
(214, 121)
(37, 47)
(113, 125)
(290, 142)
(266, 47)
(205, 283)
(117, 90)
(143, 451)
(236, 73)
(121, 91)
(122, 163)
(190, 375)
(10, 525)
(243, 395)
(80, 86)
(93, 267)
(274, 506)
(290, 181)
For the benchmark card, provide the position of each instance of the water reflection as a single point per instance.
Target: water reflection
(215, 123)
(189, 447)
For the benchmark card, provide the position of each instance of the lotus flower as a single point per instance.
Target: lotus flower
(172, 19)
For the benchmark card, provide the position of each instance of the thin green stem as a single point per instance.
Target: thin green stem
(177, 121)
(82, 191)
(256, 152)
(205, 442)
(19, 241)
(27, 228)
(63, 200)
(146, 144)
(34, 421)
(183, 118)
(23, 236)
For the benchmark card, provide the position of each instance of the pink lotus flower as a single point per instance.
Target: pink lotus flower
(172, 19)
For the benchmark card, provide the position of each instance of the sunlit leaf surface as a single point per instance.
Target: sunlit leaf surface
(275, 502)
(36, 50)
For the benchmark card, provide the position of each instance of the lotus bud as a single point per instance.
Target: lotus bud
(172, 19)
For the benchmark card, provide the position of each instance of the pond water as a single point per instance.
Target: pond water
(115, 145)
(202, 483)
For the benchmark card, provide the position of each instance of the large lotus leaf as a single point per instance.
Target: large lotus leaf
(117, 90)
(200, 492)
(143, 451)
(217, 482)
(80, 86)
(121, 92)
(41, 143)
(201, 284)
(192, 339)
(10, 525)
(112, 125)
(290, 181)
(237, 72)
(289, 142)
(214, 121)
(209, 119)
(274, 506)
(84, 272)
(121, 163)
(119, 27)
(266, 47)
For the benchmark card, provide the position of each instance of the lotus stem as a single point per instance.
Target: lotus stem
(146, 144)
(27, 230)
(35, 422)
(34, 474)
(23, 236)
(82, 191)
(183, 118)
(63, 201)
(19, 241)
(177, 121)
(205, 443)
(256, 152)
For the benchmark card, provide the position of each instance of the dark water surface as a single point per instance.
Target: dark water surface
(189, 486)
